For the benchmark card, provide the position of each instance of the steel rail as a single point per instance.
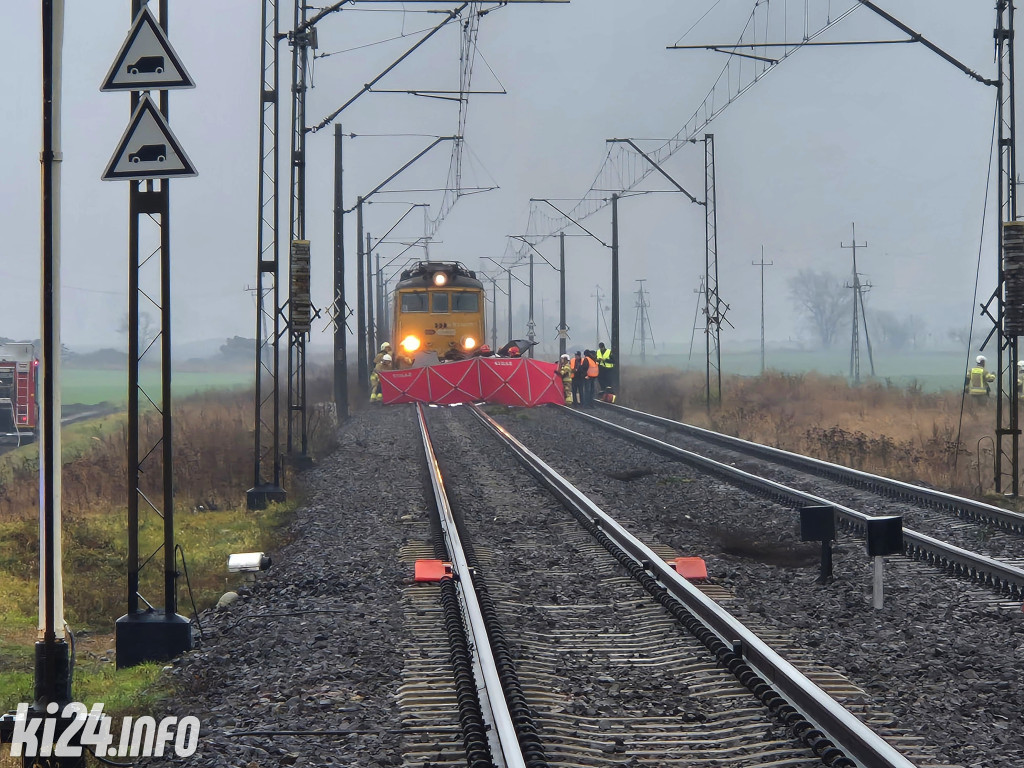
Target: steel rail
(851, 735)
(1003, 577)
(504, 744)
(967, 509)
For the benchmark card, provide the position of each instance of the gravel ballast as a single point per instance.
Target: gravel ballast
(945, 657)
(336, 670)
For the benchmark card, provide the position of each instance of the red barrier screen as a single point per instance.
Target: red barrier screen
(507, 381)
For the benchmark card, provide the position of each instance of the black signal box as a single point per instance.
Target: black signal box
(885, 536)
(817, 523)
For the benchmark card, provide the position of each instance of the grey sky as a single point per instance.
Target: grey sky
(891, 137)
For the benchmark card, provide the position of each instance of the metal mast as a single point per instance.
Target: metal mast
(714, 307)
(267, 441)
(643, 320)
(762, 264)
(301, 39)
(859, 315)
(1007, 400)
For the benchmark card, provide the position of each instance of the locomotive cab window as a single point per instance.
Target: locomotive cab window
(438, 302)
(463, 301)
(414, 302)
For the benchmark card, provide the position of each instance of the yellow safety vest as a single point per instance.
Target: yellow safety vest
(977, 382)
(604, 359)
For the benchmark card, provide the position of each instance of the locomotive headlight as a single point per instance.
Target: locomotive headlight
(440, 278)
(410, 343)
(469, 343)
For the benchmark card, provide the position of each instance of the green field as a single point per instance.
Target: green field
(89, 386)
(932, 371)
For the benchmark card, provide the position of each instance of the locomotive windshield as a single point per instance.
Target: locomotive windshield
(463, 301)
(439, 303)
(414, 302)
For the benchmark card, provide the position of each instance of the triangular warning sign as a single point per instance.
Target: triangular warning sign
(146, 61)
(148, 149)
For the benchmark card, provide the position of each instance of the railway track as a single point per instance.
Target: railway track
(965, 527)
(611, 676)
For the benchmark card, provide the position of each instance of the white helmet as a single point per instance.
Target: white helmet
(1020, 363)
(980, 359)
(386, 358)
(385, 345)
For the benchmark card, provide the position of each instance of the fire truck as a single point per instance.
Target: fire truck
(19, 370)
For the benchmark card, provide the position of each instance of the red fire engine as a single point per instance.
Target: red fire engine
(18, 412)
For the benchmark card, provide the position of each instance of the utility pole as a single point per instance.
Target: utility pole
(762, 264)
(563, 329)
(859, 315)
(531, 326)
(371, 336)
(340, 307)
(362, 366)
(643, 321)
(615, 292)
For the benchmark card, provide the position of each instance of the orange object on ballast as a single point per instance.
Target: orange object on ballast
(432, 570)
(691, 568)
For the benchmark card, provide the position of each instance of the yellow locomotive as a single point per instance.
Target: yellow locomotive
(438, 312)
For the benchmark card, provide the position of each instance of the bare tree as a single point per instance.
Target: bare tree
(823, 300)
(148, 328)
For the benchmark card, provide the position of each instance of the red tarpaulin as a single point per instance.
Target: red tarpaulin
(507, 381)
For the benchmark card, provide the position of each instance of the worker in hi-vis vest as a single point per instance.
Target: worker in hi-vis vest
(605, 363)
(978, 380)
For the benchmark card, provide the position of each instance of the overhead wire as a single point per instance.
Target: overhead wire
(731, 83)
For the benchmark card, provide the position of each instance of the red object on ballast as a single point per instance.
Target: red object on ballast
(432, 570)
(692, 568)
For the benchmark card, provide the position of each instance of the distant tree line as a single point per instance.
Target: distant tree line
(825, 304)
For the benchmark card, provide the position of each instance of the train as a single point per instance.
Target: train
(19, 392)
(439, 310)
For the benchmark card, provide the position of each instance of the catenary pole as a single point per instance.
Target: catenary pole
(615, 292)
(362, 368)
(340, 307)
(561, 294)
(52, 669)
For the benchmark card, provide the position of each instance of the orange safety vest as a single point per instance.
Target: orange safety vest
(592, 368)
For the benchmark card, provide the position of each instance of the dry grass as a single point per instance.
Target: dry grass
(901, 433)
(213, 442)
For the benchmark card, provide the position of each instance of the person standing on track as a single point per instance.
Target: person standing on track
(605, 363)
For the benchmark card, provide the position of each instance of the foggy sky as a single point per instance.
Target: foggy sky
(890, 137)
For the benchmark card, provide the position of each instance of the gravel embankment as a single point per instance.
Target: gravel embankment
(338, 669)
(946, 658)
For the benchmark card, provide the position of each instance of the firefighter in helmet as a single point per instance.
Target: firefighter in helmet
(978, 381)
(565, 371)
(383, 365)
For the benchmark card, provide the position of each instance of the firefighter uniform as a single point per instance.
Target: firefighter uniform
(565, 371)
(383, 365)
(978, 380)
